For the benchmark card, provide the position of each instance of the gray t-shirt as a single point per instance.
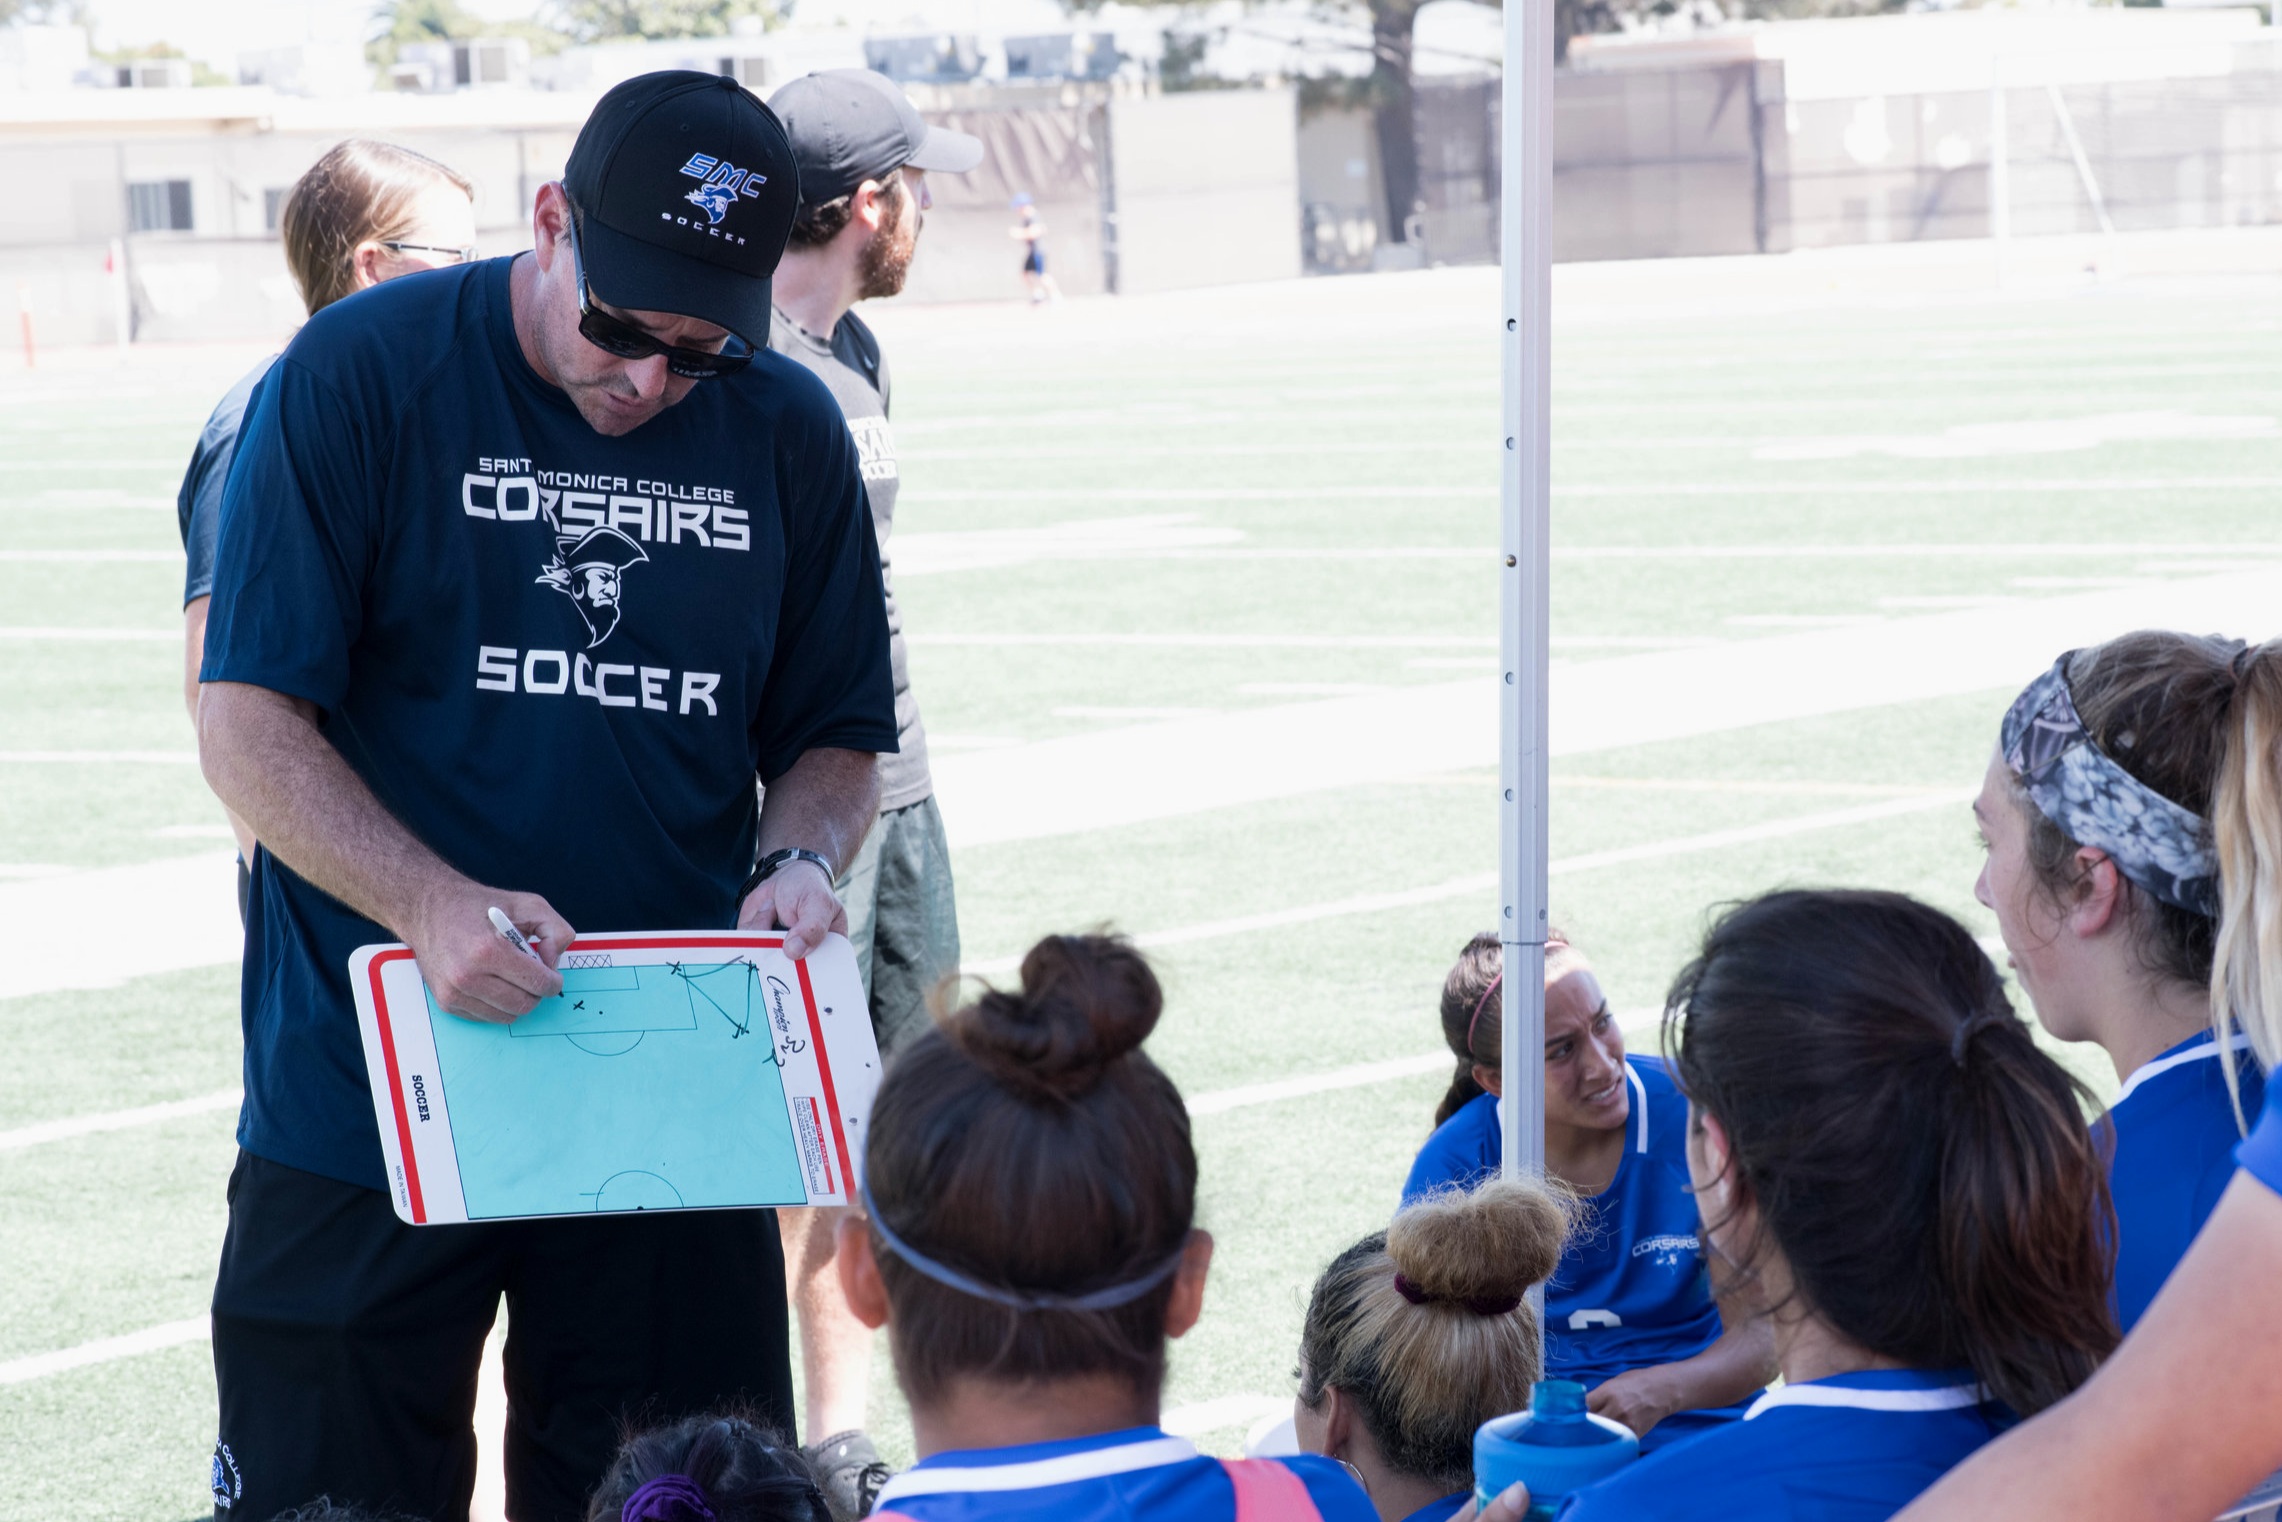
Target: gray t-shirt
(852, 366)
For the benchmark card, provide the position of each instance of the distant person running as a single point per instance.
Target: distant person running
(1030, 232)
(864, 153)
(1636, 1313)
(363, 213)
(2094, 817)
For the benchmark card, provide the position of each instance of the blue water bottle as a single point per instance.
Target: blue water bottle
(1554, 1447)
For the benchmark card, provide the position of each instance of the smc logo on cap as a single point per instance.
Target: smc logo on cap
(724, 182)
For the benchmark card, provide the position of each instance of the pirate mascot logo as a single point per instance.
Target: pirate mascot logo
(591, 571)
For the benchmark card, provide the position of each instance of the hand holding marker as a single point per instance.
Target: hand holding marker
(514, 937)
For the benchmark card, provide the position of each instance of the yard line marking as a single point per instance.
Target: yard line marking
(1406, 493)
(1141, 773)
(1220, 641)
(77, 757)
(1361, 1075)
(1220, 1411)
(89, 557)
(155, 636)
(118, 1120)
(151, 1339)
(1917, 802)
(1919, 488)
(1897, 551)
(53, 932)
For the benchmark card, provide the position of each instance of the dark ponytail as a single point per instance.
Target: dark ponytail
(1027, 1145)
(1921, 1165)
(1471, 1040)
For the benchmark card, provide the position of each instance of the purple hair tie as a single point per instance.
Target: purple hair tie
(668, 1498)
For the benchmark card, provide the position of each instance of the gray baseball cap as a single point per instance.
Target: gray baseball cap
(852, 125)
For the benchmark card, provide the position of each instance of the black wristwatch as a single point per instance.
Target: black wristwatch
(776, 861)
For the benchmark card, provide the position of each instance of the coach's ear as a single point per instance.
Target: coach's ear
(859, 1272)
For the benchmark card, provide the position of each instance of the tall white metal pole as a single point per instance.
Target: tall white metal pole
(1526, 249)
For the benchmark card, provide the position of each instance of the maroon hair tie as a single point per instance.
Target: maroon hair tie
(1480, 1305)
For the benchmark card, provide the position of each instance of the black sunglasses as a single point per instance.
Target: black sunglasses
(613, 336)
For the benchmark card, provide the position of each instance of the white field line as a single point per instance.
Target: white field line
(1487, 882)
(117, 1120)
(153, 636)
(79, 757)
(1361, 1075)
(150, 1339)
(1896, 551)
(1218, 641)
(1222, 1411)
(1983, 487)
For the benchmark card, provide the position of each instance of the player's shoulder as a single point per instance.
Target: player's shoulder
(1656, 1081)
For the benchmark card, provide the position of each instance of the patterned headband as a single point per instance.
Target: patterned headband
(2154, 842)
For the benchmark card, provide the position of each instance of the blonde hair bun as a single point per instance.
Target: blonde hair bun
(1495, 1242)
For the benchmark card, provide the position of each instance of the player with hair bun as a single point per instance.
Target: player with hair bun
(1031, 1243)
(1418, 1334)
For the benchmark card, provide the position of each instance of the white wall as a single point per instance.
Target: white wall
(1207, 188)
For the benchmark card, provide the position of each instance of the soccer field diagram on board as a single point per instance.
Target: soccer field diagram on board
(1202, 591)
(673, 1072)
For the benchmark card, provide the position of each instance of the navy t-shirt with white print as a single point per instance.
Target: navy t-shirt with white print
(558, 658)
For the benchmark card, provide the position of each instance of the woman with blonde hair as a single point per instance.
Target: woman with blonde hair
(365, 212)
(1418, 1334)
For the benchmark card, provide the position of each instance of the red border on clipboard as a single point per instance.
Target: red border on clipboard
(807, 997)
(831, 1089)
(396, 1081)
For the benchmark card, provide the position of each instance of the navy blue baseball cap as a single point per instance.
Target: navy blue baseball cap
(685, 188)
(852, 125)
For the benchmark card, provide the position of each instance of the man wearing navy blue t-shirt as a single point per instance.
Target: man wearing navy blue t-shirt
(528, 570)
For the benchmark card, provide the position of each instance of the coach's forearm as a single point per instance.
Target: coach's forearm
(267, 761)
(825, 803)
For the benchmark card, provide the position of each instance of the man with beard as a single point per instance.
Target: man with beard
(863, 152)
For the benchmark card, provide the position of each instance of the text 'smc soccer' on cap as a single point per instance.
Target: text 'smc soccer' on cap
(686, 189)
(852, 125)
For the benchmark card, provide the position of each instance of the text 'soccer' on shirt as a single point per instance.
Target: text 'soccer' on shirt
(560, 659)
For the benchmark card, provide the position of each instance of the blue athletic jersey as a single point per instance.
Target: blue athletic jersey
(198, 504)
(559, 659)
(2260, 1154)
(1131, 1476)
(1632, 1290)
(2174, 1139)
(1851, 1448)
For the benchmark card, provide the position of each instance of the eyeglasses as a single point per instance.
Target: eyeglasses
(613, 336)
(463, 255)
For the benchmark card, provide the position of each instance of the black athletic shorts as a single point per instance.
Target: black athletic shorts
(346, 1344)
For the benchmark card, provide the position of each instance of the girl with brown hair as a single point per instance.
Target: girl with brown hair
(2188, 1414)
(2104, 878)
(1031, 1244)
(1634, 1312)
(1418, 1334)
(1904, 1186)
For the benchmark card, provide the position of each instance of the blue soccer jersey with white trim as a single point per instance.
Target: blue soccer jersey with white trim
(2174, 1139)
(1137, 1475)
(1632, 1290)
(1851, 1448)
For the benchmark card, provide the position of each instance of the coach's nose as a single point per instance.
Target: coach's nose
(650, 377)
